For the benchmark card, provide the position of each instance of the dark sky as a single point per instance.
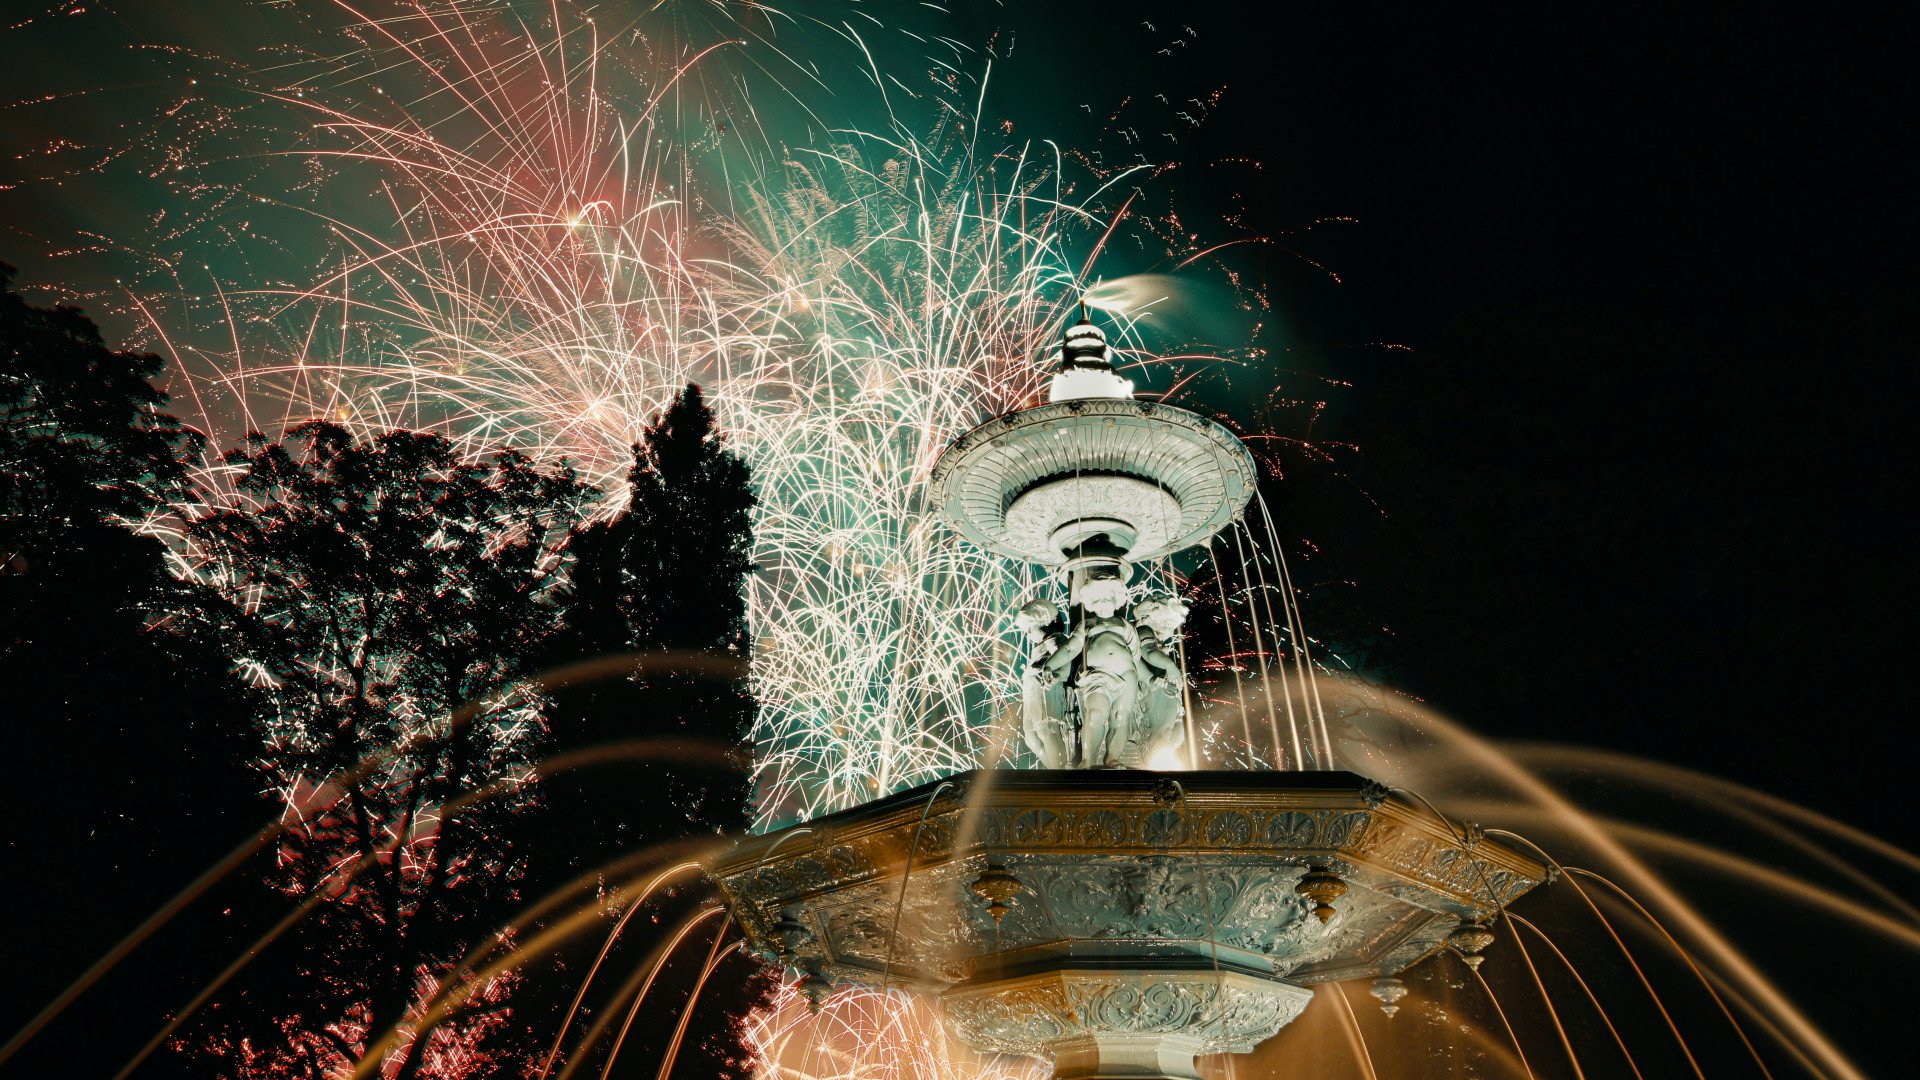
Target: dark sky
(1725, 201)
(1705, 164)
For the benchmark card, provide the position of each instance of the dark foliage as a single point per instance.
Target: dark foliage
(667, 574)
(392, 596)
(659, 589)
(124, 783)
(655, 632)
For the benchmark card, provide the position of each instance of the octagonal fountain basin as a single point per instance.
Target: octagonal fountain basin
(1117, 922)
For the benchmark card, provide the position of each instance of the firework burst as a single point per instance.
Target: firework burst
(864, 1035)
(553, 228)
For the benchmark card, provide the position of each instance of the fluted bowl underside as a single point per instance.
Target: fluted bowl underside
(1053, 515)
(1103, 1022)
(1203, 475)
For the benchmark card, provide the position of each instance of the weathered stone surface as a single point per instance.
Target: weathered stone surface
(1165, 883)
(1105, 1022)
(1008, 484)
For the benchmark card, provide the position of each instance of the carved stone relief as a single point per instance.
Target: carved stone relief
(1222, 1012)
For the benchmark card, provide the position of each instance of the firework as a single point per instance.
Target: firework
(555, 228)
(864, 1035)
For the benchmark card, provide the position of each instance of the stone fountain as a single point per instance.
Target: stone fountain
(1115, 920)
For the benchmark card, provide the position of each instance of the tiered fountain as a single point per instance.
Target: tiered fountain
(1114, 919)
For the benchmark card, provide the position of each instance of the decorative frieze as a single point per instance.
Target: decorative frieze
(1228, 1012)
(997, 890)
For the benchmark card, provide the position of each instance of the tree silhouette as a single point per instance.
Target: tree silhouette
(663, 583)
(389, 601)
(658, 594)
(394, 595)
(124, 786)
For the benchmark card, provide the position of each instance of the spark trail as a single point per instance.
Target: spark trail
(534, 228)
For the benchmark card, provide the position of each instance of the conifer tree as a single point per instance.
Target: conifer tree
(657, 596)
(661, 586)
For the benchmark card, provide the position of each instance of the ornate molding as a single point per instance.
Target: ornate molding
(1295, 817)
(1159, 889)
(1222, 1012)
(1205, 470)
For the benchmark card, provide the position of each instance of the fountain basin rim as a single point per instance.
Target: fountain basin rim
(1203, 811)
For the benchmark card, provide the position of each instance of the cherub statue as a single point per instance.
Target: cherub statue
(1158, 620)
(1107, 682)
(1043, 697)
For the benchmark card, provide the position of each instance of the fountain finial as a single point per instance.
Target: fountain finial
(1085, 369)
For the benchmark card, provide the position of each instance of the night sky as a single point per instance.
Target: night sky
(1698, 233)
(1639, 464)
(1727, 200)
